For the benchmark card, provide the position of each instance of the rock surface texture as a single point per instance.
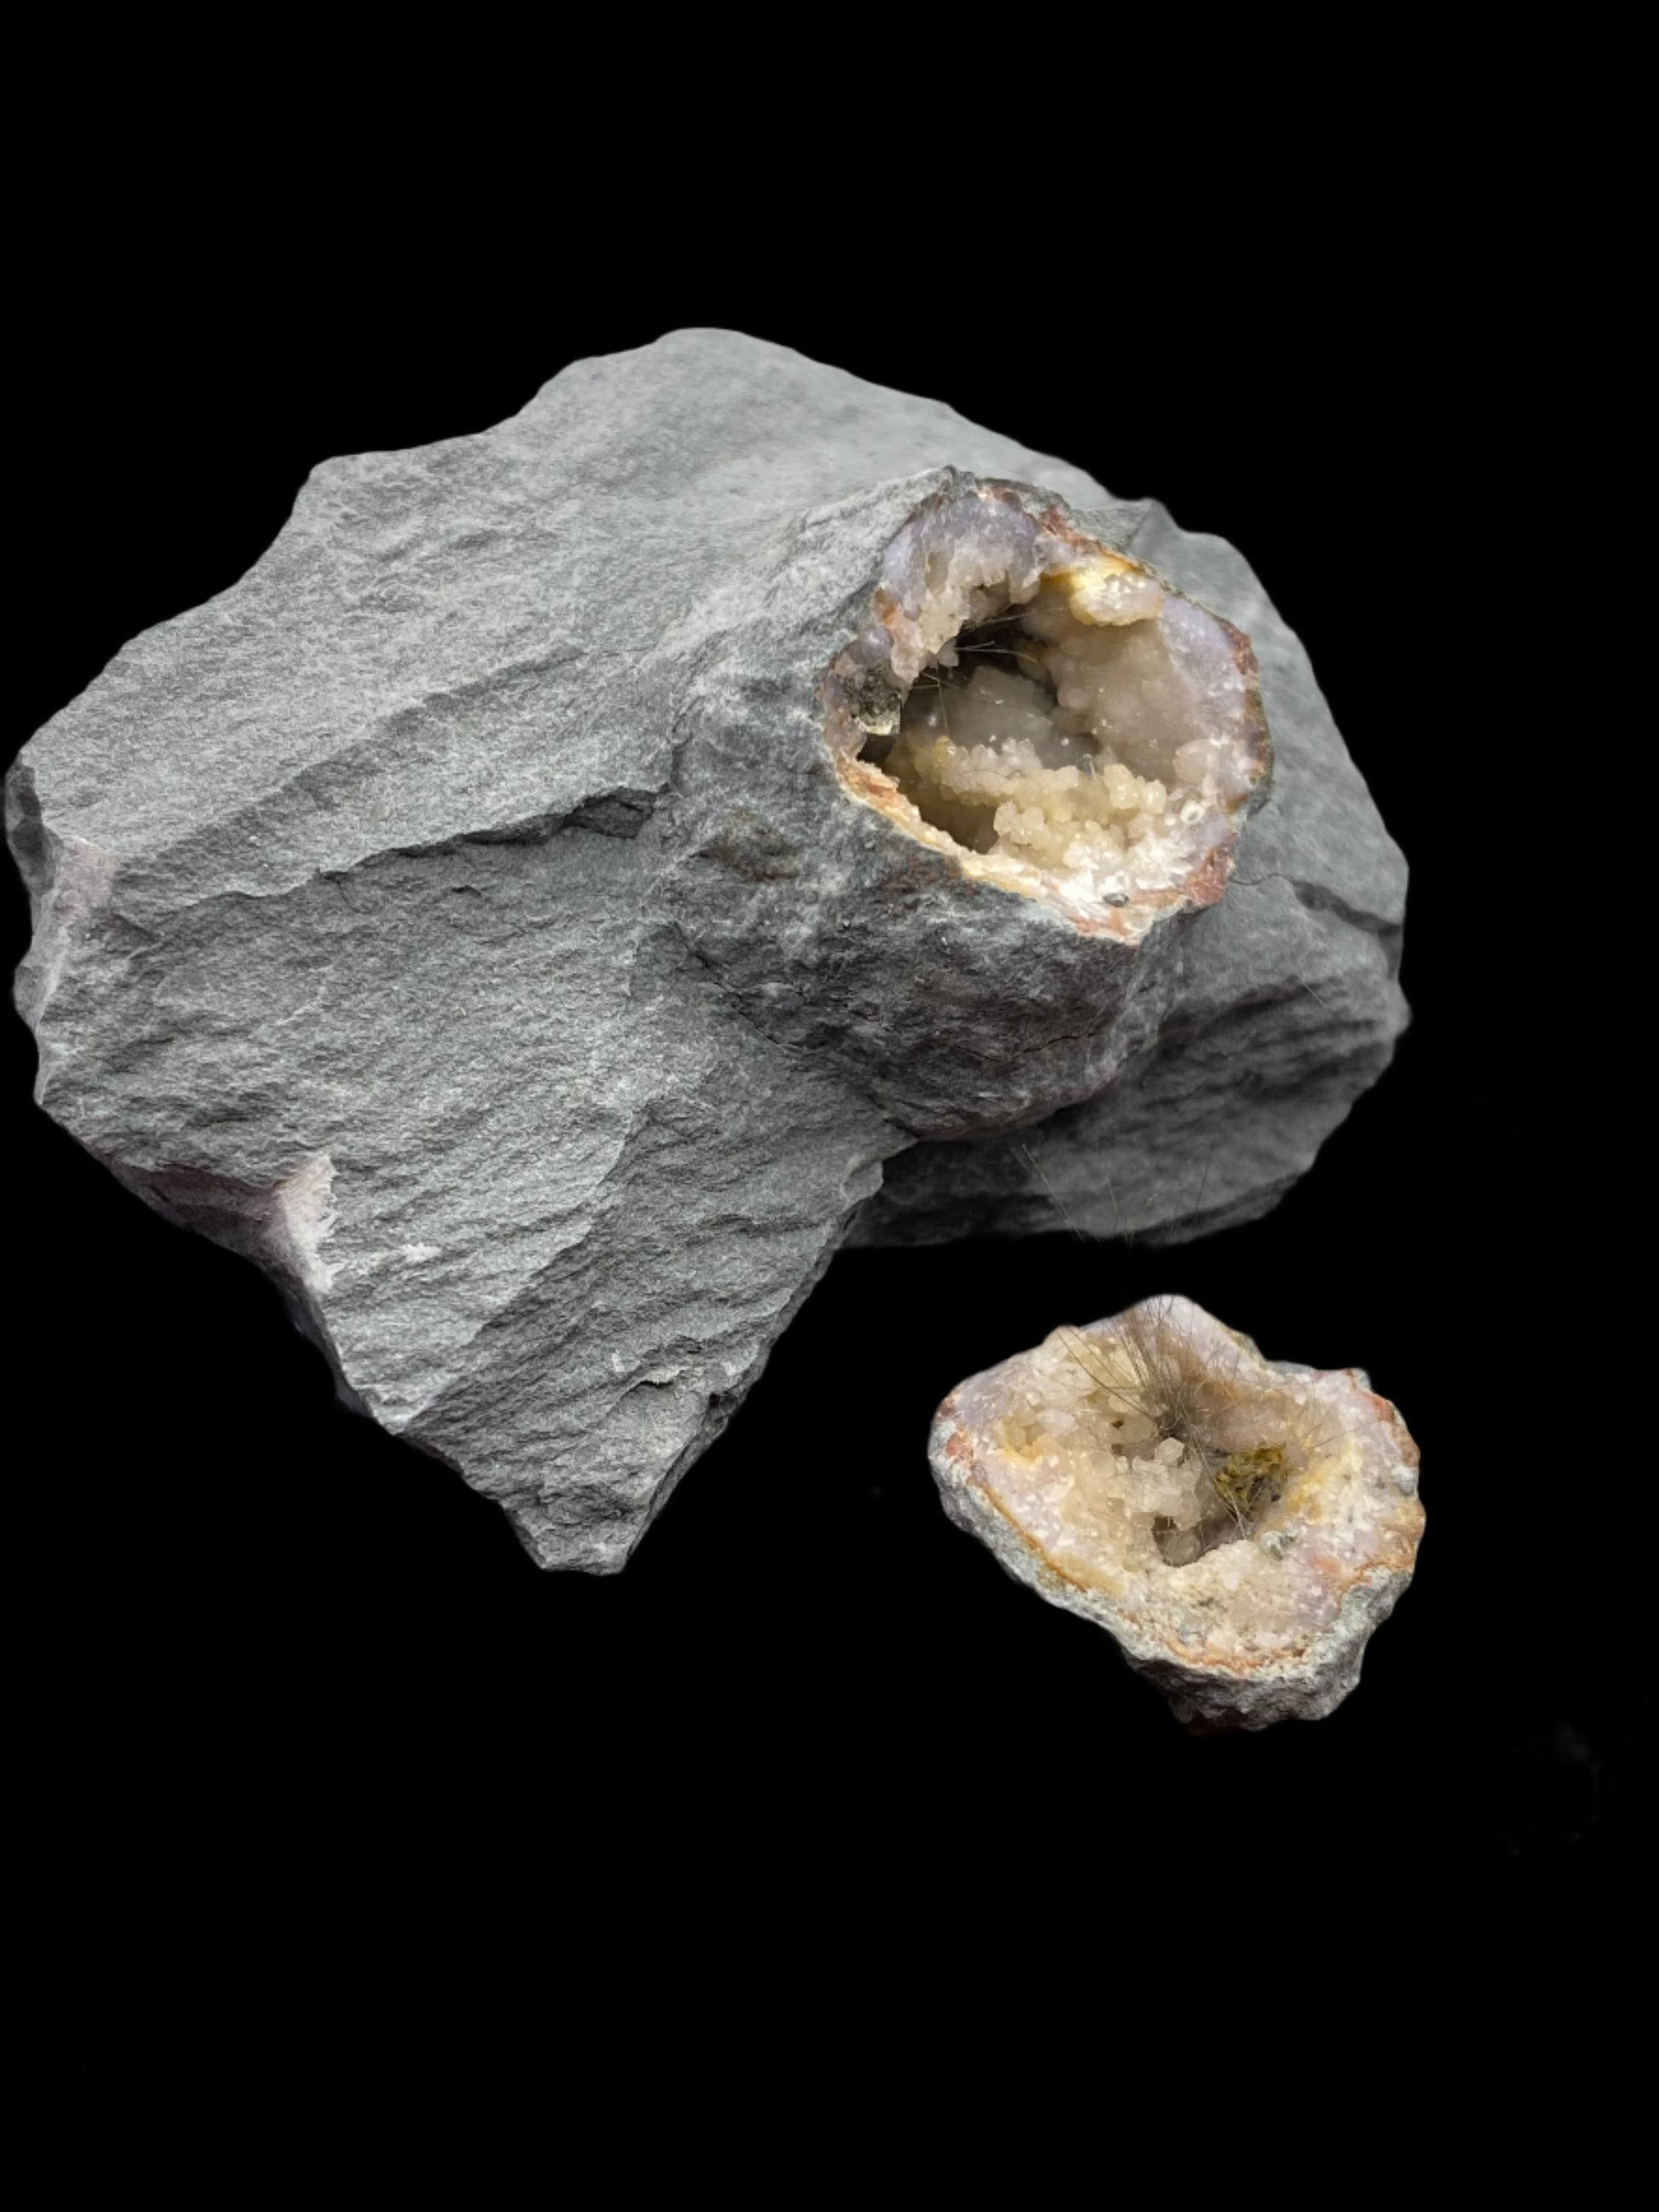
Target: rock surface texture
(1240, 1526)
(532, 909)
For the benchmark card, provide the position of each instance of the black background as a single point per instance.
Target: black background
(295, 1696)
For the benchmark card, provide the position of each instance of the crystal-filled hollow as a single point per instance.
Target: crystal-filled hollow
(1050, 712)
(1239, 1525)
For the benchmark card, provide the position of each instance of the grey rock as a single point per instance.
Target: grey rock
(461, 917)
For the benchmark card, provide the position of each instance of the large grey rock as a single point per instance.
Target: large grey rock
(463, 917)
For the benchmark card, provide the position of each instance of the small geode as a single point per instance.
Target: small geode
(1240, 1525)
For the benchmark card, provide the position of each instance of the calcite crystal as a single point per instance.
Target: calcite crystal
(531, 909)
(1240, 1526)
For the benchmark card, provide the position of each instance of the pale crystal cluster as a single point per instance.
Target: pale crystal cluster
(1053, 708)
(1239, 1526)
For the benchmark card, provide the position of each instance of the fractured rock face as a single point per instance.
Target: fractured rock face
(527, 912)
(1240, 1526)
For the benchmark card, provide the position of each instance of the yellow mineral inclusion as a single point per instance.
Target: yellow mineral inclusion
(1108, 589)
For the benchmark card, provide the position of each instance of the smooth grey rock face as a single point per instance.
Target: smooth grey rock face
(461, 916)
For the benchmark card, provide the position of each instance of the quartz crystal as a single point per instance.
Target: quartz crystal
(1239, 1525)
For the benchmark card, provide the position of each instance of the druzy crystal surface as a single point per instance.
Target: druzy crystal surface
(1029, 696)
(1239, 1525)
